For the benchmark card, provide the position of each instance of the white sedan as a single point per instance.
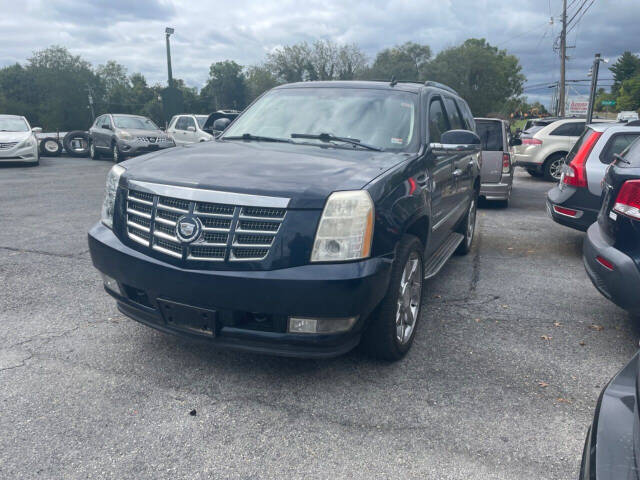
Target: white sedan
(18, 142)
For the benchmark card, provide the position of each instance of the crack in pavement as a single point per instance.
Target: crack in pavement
(42, 252)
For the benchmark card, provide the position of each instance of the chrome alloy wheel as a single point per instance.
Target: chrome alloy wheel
(471, 222)
(51, 146)
(555, 169)
(409, 298)
(115, 154)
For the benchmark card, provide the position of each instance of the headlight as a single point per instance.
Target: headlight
(113, 178)
(30, 141)
(123, 134)
(346, 228)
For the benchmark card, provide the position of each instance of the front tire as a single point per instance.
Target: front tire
(93, 153)
(468, 227)
(116, 154)
(392, 326)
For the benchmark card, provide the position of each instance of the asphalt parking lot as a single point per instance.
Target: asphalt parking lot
(514, 347)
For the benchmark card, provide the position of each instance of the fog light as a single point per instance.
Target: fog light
(320, 325)
(111, 284)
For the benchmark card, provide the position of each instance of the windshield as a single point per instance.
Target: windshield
(380, 118)
(201, 119)
(140, 123)
(13, 124)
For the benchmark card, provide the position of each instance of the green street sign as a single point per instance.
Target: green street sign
(608, 103)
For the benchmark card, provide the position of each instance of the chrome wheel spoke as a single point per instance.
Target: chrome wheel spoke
(409, 296)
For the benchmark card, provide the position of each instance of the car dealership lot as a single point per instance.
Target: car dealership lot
(513, 349)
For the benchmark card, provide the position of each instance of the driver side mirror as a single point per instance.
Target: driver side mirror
(220, 124)
(457, 142)
(36, 129)
(514, 142)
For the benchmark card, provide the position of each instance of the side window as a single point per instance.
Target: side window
(181, 124)
(616, 144)
(189, 123)
(438, 123)
(106, 122)
(98, 122)
(571, 129)
(455, 119)
(490, 133)
(468, 119)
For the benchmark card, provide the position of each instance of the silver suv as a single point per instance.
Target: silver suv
(120, 136)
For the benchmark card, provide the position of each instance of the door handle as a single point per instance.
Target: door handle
(457, 172)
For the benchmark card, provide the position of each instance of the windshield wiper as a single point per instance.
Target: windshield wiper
(329, 137)
(257, 138)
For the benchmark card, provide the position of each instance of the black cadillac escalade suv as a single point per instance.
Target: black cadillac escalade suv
(308, 226)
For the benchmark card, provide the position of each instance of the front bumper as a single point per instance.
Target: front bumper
(609, 452)
(585, 204)
(135, 147)
(620, 285)
(26, 154)
(325, 290)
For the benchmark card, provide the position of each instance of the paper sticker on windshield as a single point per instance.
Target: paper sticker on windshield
(397, 141)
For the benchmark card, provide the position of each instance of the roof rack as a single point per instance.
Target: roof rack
(442, 86)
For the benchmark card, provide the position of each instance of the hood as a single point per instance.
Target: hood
(305, 174)
(14, 136)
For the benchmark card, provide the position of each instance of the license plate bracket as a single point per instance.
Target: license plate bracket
(194, 320)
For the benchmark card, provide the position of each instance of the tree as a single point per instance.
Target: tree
(117, 88)
(483, 75)
(629, 96)
(226, 87)
(404, 62)
(323, 60)
(259, 80)
(626, 66)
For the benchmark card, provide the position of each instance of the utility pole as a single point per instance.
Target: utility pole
(90, 94)
(563, 59)
(168, 32)
(594, 86)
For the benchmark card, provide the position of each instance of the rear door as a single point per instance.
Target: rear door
(191, 134)
(491, 134)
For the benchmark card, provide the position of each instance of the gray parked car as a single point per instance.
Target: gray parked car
(120, 136)
(496, 175)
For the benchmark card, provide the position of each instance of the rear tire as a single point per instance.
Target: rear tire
(552, 168)
(392, 325)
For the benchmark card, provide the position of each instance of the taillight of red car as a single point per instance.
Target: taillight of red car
(576, 172)
(506, 162)
(628, 201)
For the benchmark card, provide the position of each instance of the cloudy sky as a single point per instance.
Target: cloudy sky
(131, 32)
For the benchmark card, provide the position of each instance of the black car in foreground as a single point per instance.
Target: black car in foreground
(612, 447)
(612, 246)
(309, 225)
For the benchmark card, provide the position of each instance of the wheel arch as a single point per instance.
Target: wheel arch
(419, 226)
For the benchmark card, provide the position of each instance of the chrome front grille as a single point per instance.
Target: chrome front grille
(229, 232)
(7, 145)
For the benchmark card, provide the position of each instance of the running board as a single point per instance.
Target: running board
(442, 254)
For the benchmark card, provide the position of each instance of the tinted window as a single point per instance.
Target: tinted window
(617, 144)
(573, 129)
(438, 123)
(466, 115)
(455, 119)
(631, 155)
(491, 135)
(578, 145)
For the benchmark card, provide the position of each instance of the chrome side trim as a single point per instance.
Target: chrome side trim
(209, 196)
(448, 216)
